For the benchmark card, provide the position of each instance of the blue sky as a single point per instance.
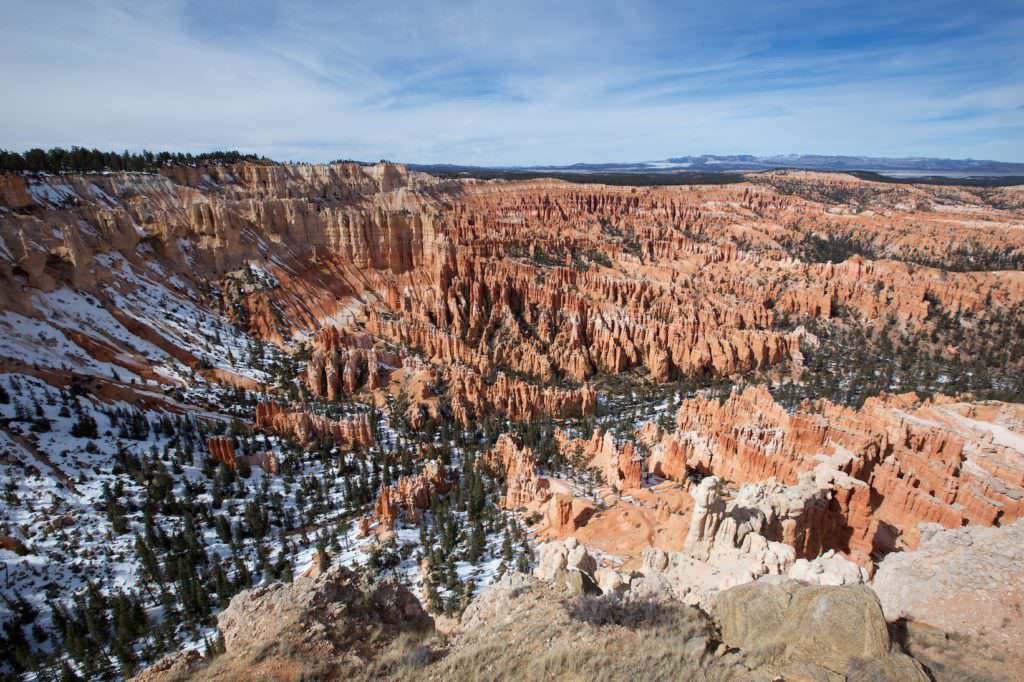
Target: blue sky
(516, 82)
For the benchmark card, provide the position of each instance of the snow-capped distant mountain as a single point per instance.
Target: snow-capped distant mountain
(907, 166)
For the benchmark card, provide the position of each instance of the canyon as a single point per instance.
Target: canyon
(630, 391)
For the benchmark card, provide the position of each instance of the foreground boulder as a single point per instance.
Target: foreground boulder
(334, 626)
(813, 632)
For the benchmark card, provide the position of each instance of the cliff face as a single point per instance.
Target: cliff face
(524, 486)
(205, 222)
(306, 427)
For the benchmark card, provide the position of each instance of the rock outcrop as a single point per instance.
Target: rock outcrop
(411, 495)
(342, 364)
(828, 569)
(567, 565)
(523, 628)
(334, 626)
(306, 427)
(177, 666)
(960, 596)
(329, 626)
(706, 517)
(724, 547)
(882, 470)
(523, 484)
(222, 450)
(620, 466)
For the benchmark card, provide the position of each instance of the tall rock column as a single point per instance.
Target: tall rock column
(708, 511)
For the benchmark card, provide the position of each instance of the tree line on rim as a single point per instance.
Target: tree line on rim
(80, 159)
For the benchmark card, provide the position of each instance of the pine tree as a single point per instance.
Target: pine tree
(148, 559)
(322, 556)
(477, 542)
(434, 604)
(468, 590)
(218, 644)
(506, 546)
(223, 529)
(67, 673)
(208, 651)
(525, 558)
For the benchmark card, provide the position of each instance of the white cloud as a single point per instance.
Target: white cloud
(459, 83)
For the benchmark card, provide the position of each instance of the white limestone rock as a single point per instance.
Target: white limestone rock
(828, 569)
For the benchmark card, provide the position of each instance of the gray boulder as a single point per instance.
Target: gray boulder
(812, 631)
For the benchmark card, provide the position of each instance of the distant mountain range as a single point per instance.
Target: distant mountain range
(714, 163)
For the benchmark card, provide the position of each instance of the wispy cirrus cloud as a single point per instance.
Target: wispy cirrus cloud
(483, 82)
